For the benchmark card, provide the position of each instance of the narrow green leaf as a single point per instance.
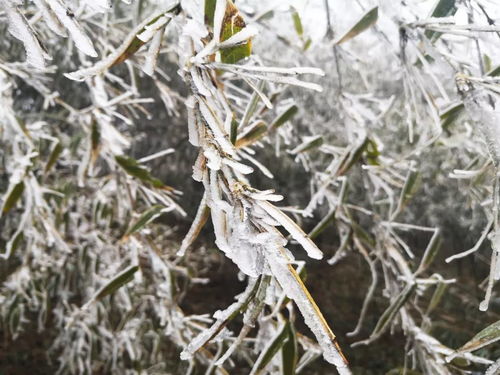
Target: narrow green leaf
(309, 145)
(307, 44)
(354, 156)
(270, 351)
(234, 131)
(210, 12)
(14, 195)
(116, 283)
(393, 309)
(487, 336)
(136, 43)
(284, 117)
(430, 252)
(436, 297)
(442, 8)
(95, 140)
(289, 352)
(403, 371)
(494, 72)
(410, 187)
(487, 62)
(323, 224)
(363, 235)
(133, 168)
(233, 23)
(450, 114)
(297, 23)
(257, 131)
(54, 155)
(147, 217)
(365, 22)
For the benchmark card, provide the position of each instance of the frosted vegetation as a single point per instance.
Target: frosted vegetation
(142, 141)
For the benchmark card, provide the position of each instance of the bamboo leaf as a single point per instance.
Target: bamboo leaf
(392, 310)
(284, 117)
(54, 155)
(308, 145)
(365, 22)
(255, 133)
(270, 351)
(430, 252)
(436, 297)
(487, 336)
(295, 289)
(116, 283)
(133, 168)
(209, 12)
(12, 197)
(443, 8)
(130, 45)
(295, 231)
(232, 24)
(289, 352)
(409, 188)
(297, 23)
(147, 217)
(494, 72)
(450, 114)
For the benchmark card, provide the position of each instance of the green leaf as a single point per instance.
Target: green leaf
(309, 145)
(210, 12)
(430, 252)
(258, 130)
(487, 336)
(234, 131)
(116, 283)
(494, 72)
(136, 43)
(133, 168)
(95, 140)
(367, 148)
(409, 188)
(443, 8)
(403, 371)
(54, 155)
(289, 352)
(147, 217)
(323, 224)
(393, 309)
(14, 195)
(307, 44)
(284, 117)
(233, 23)
(436, 297)
(297, 23)
(366, 21)
(487, 62)
(450, 114)
(270, 351)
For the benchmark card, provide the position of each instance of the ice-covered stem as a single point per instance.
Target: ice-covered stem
(482, 108)
(243, 219)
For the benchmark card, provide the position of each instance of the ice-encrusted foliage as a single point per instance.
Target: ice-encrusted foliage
(362, 106)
